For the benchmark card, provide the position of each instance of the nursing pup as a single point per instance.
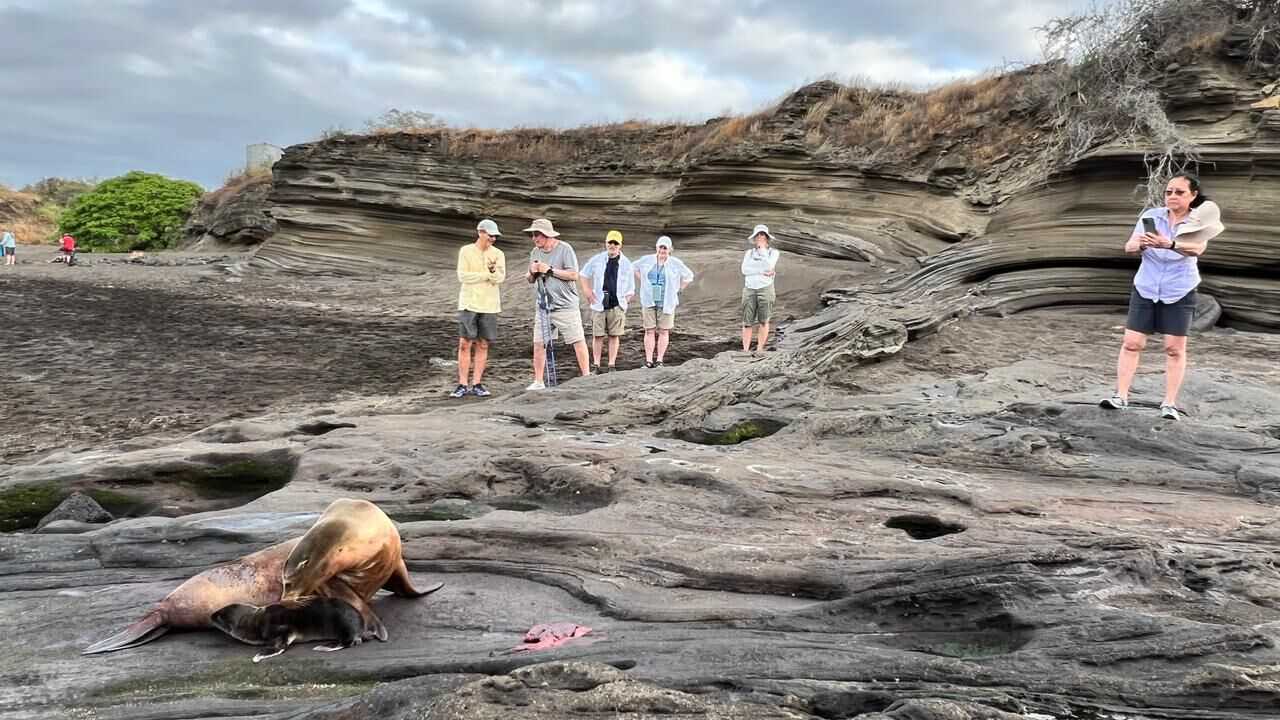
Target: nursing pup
(282, 624)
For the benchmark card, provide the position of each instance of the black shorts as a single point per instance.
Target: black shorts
(472, 325)
(1147, 316)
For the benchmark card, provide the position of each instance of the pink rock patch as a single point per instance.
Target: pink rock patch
(551, 635)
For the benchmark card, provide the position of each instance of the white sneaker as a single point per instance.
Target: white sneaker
(536, 385)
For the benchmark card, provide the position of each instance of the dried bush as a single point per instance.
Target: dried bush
(1106, 65)
(399, 121)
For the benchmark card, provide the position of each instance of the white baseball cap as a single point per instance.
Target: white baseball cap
(489, 227)
(665, 242)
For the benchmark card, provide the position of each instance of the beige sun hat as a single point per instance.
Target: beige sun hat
(760, 229)
(1204, 223)
(543, 226)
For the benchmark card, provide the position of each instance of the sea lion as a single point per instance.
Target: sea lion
(282, 624)
(256, 579)
(350, 553)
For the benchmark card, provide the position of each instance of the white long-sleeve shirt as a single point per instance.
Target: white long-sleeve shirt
(755, 263)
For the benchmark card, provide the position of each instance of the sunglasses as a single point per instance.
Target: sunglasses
(1175, 192)
(614, 242)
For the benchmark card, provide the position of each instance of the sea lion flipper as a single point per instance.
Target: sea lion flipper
(265, 655)
(400, 583)
(373, 627)
(150, 627)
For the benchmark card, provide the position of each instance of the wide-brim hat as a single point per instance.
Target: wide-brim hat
(760, 229)
(1203, 224)
(544, 226)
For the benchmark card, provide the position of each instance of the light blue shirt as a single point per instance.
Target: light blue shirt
(674, 274)
(7, 240)
(1165, 275)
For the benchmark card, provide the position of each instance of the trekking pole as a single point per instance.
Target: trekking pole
(544, 315)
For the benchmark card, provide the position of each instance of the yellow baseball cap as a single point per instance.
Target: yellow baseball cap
(614, 235)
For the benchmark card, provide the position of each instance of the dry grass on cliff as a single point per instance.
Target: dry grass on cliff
(24, 215)
(236, 183)
(884, 123)
(1100, 87)
(896, 124)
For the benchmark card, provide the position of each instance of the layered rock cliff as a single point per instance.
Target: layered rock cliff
(235, 216)
(977, 208)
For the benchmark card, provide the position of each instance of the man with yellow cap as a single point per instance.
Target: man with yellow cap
(608, 281)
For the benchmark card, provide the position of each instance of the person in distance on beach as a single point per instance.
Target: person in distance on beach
(9, 246)
(608, 281)
(481, 270)
(1163, 298)
(553, 272)
(758, 294)
(68, 247)
(661, 276)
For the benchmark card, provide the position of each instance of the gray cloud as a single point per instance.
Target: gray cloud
(97, 89)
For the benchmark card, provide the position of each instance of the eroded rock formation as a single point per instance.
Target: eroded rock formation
(237, 216)
(1020, 236)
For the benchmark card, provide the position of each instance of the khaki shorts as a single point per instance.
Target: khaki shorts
(757, 305)
(652, 320)
(567, 323)
(610, 322)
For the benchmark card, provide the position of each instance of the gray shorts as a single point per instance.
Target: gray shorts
(472, 325)
(1148, 316)
(757, 305)
(10, 251)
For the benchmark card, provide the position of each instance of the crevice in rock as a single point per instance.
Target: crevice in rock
(735, 434)
(321, 427)
(923, 527)
(844, 704)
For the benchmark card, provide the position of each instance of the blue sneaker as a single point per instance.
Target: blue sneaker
(479, 390)
(459, 391)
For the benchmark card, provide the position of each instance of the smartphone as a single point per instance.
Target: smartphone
(1149, 225)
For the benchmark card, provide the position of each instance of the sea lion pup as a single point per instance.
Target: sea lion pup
(254, 579)
(351, 552)
(283, 624)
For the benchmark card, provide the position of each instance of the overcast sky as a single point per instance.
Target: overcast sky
(95, 88)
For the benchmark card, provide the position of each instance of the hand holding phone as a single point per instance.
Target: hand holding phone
(1149, 225)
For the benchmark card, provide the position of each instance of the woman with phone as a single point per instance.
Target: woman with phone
(1163, 299)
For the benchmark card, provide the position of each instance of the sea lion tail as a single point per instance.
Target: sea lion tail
(400, 584)
(150, 627)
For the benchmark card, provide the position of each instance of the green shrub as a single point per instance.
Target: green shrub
(136, 211)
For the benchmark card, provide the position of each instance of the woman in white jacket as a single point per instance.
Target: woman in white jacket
(660, 277)
(758, 294)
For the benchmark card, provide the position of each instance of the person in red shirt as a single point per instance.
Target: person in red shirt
(68, 249)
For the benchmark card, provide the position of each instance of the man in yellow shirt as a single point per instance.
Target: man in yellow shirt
(481, 270)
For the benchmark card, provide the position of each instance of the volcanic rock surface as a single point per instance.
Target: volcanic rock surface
(956, 532)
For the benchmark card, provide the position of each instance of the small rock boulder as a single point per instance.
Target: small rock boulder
(78, 507)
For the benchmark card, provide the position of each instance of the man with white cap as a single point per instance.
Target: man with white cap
(553, 271)
(758, 295)
(481, 270)
(660, 277)
(608, 280)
